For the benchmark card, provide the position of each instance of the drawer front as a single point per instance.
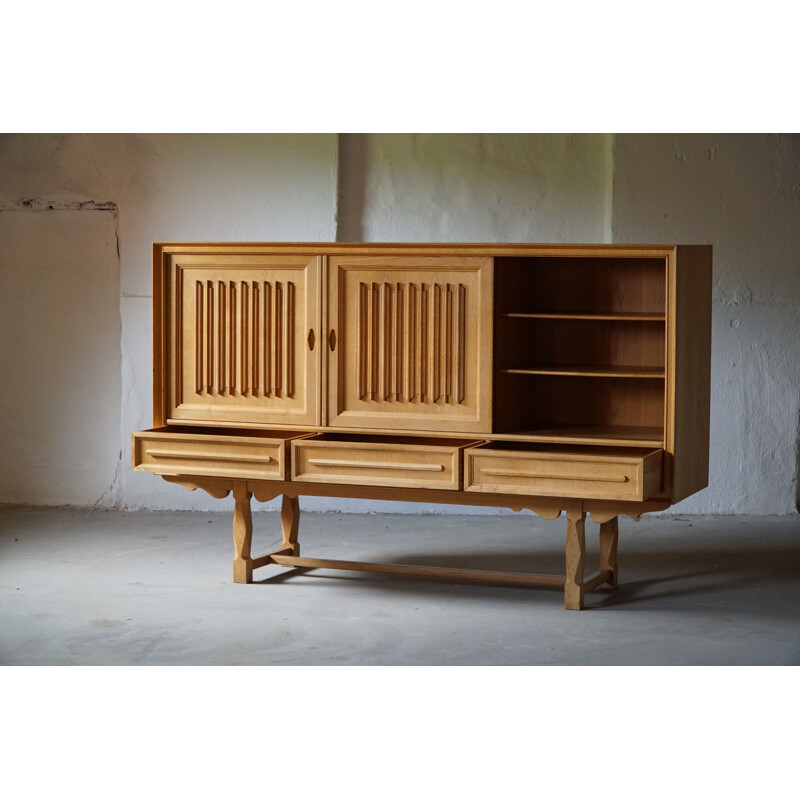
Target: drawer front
(376, 464)
(604, 477)
(209, 456)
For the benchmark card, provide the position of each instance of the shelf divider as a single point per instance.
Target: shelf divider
(623, 316)
(589, 371)
(639, 436)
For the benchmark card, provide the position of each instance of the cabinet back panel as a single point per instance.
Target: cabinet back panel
(525, 342)
(530, 402)
(581, 284)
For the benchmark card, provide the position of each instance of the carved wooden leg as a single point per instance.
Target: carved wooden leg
(609, 534)
(290, 523)
(575, 555)
(242, 534)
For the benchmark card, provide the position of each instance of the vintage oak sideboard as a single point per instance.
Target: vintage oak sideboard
(557, 378)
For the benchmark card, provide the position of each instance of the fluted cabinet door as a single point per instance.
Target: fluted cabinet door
(409, 343)
(241, 339)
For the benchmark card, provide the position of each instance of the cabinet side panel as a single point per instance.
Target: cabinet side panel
(691, 400)
(159, 337)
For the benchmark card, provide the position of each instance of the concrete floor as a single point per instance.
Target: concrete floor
(130, 588)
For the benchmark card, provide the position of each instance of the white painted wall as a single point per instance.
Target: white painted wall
(739, 193)
(482, 187)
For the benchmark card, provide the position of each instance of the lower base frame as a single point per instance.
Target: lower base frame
(575, 583)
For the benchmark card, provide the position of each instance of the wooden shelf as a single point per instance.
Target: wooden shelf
(643, 436)
(589, 371)
(623, 316)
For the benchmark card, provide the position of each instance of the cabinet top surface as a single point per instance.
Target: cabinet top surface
(463, 248)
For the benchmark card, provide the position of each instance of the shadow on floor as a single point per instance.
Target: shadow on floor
(722, 576)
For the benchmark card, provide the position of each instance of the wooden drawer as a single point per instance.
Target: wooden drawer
(224, 453)
(402, 461)
(593, 473)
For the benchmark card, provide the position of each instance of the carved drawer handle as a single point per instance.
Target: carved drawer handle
(507, 473)
(332, 339)
(335, 462)
(311, 339)
(206, 456)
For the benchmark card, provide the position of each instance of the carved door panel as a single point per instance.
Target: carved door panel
(409, 342)
(241, 339)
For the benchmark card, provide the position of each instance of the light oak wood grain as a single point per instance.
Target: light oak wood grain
(575, 555)
(290, 524)
(376, 461)
(609, 536)
(504, 249)
(585, 473)
(413, 342)
(236, 334)
(242, 534)
(182, 451)
(545, 507)
(409, 570)
(287, 554)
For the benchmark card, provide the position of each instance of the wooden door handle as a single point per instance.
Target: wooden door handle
(338, 462)
(206, 456)
(332, 339)
(512, 473)
(311, 339)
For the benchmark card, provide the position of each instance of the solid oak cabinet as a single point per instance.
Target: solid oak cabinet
(558, 378)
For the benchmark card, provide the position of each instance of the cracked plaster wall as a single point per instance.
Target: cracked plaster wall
(59, 355)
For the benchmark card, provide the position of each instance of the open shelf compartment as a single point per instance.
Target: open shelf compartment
(582, 287)
(580, 349)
